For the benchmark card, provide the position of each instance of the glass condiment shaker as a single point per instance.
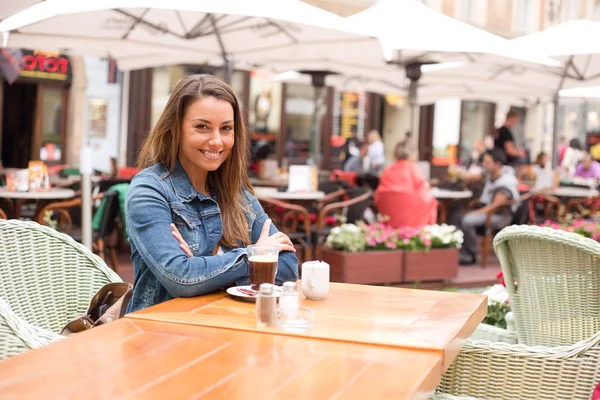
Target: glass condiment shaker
(288, 302)
(266, 306)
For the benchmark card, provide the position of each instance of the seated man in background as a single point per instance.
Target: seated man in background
(588, 168)
(500, 186)
(358, 162)
(403, 193)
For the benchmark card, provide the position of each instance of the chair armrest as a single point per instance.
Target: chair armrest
(289, 223)
(61, 208)
(19, 336)
(338, 194)
(328, 209)
(513, 371)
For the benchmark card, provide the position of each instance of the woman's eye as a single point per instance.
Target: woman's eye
(201, 127)
(227, 128)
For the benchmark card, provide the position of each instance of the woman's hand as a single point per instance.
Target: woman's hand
(279, 239)
(182, 244)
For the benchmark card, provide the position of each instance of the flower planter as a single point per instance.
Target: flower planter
(368, 267)
(433, 265)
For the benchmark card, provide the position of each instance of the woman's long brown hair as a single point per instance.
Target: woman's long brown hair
(231, 178)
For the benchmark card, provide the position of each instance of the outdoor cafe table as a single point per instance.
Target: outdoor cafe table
(573, 192)
(273, 193)
(384, 316)
(19, 197)
(137, 359)
(367, 342)
(445, 197)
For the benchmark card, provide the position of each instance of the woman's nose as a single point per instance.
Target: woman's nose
(215, 139)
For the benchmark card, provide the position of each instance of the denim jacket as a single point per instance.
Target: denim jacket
(162, 270)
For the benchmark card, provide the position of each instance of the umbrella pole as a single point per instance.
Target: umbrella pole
(85, 168)
(228, 66)
(318, 82)
(412, 100)
(555, 115)
(555, 123)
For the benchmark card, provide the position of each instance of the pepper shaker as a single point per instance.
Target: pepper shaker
(266, 306)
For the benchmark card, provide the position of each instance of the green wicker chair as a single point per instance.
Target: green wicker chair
(503, 371)
(46, 279)
(557, 299)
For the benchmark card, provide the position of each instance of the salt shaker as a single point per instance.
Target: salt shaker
(288, 302)
(266, 306)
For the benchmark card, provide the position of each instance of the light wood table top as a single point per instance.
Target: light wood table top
(403, 318)
(136, 359)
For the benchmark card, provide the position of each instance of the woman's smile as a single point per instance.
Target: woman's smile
(211, 155)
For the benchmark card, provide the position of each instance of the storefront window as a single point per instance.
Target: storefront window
(474, 125)
(51, 123)
(577, 119)
(446, 131)
(164, 80)
(299, 109)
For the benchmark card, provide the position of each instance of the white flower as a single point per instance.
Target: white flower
(497, 294)
(336, 231)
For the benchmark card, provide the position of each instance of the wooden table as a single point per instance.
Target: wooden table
(367, 343)
(401, 318)
(137, 359)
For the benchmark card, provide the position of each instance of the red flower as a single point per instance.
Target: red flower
(501, 276)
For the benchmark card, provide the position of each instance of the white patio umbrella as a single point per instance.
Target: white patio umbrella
(135, 32)
(575, 44)
(413, 34)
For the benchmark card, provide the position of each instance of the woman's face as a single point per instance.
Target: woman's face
(207, 135)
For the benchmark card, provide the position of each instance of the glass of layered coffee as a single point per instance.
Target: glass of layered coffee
(262, 263)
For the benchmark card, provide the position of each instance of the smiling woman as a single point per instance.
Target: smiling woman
(191, 212)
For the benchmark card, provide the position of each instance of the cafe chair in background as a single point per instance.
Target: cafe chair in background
(103, 243)
(294, 221)
(521, 216)
(46, 280)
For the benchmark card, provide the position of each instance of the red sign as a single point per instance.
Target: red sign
(46, 66)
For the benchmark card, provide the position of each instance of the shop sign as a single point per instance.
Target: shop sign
(44, 65)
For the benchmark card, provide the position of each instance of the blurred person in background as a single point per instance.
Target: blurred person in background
(500, 186)
(573, 156)
(375, 153)
(588, 168)
(403, 192)
(543, 175)
(358, 162)
(504, 139)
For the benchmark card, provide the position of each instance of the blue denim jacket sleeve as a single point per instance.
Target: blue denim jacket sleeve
(148, 219)
(287, 267)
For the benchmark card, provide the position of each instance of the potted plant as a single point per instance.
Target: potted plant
(498, 324)
(364, 253)
(434, 257)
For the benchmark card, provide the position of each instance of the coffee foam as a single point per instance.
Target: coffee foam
(264, 258)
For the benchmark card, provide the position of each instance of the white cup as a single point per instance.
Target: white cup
(315, 279)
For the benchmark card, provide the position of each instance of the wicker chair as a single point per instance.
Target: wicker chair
(557, 299)
(46, 279)
(504, 371)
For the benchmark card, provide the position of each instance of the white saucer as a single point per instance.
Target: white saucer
(235, 291)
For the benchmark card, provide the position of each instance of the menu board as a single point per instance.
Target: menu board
(349, 114)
